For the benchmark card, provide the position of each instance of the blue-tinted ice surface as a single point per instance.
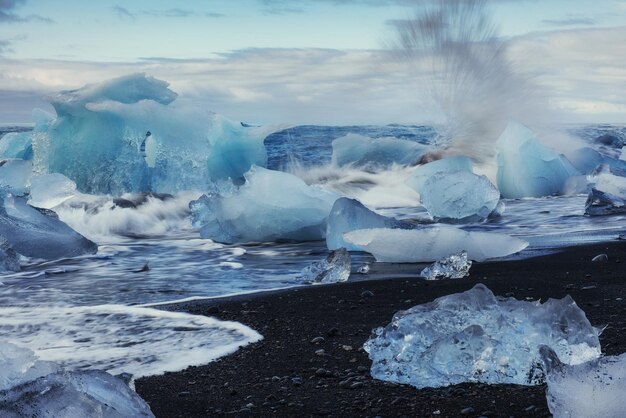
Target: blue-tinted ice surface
(526, 168)
(359, 150)
(97, 135)
(475, 336)
(418, 178)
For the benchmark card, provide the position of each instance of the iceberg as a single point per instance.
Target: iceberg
(601, 203)
(592, 389)
(31, 387)
(15, 176)
(334, 268)
(455, 266)
(350, 215)
(432, 243)
(39, 233)
(475, 336)
(271, 205)
(127, 135)
(50, 190)
(526, 168)
(16, 145)
(460, 196)
(418, 178)
(361, 150)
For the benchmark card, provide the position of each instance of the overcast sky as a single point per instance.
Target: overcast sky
(298, 61)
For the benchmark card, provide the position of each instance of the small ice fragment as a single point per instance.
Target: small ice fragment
(333, 269)
(432, 243)
(592, 389)
(459, 196)
(16, 145)
(15, 176)
(418, 178)
(50, 190)
(475, 336)
(603, 203)
(455, 266)
(364, 269)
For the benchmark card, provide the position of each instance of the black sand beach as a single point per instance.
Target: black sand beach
(287, 374)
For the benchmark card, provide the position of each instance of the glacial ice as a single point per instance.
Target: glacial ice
(475, 336)
(610, 183)
(448, 165)
(271, 205)
(16, 145)
(585, 159)
(15, 176)
(333, 269)
(526, 168)
(31, 387)
(460, 196)
(50, 190)
(96, 140)
(349, 215)
(601, 203)
(455, 266)
(361, 150)
(9, 259)
(432, 243)
(39, 233)
(592, 389)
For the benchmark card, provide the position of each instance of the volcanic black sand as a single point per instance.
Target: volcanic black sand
(286, 374)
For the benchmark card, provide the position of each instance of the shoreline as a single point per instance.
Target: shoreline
(285, 374)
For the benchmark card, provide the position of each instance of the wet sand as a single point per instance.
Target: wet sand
(286, 374)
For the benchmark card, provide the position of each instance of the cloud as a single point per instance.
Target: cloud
(572, 21)
(7, 14)
(126, 14)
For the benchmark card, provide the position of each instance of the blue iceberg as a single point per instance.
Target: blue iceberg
(270, 206)
(350, 215)
(418, 178)
(361, 150)
(526, 168)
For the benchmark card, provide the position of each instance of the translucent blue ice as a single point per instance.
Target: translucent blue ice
(526, 168)
(271, 205)
(475, 336)
(16, 145)
(15, 176)
(126, 135)
(448, 165)
(460, 196)
(361, 150)
(349, 215)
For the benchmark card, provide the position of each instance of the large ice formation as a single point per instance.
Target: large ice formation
(447, 165)
(126, 135)
(455, 266)
(333, 269)
(475, 336)
(361, 150)
(15, 176)
(591, 389)
(271, 205)
(349, 215)
(526, 168)
(460, 196)
(432, 243)
(30, 387)
(39, 233)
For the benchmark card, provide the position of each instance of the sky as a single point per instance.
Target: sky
(299, 61)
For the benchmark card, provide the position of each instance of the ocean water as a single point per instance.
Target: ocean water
(92, 305)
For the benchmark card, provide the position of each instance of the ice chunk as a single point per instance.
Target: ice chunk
(601, 203)
(460, 196)
(99, 133)
(93, 394)
(334, 268)
(526, 168)
(349, 215)
(609, 183)
(432, 243)
(455, 266)
(448, 165)
(15, 176)
(39, 233)
(475, 336)
(622, 155)
(360, 150)
(271, 205)
(592, 389)
(16, 145)
(50, 190)
(585, 159)
(19, 365)
(9, 260)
